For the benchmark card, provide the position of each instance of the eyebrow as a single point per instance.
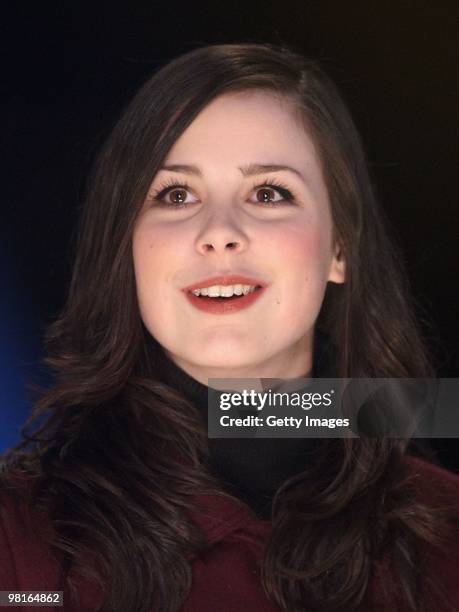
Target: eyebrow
(247, 170)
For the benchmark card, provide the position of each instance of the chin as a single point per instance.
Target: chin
(224, 357)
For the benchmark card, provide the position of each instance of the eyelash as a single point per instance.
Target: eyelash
(287, 195)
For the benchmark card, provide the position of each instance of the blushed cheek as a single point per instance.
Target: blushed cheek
(151, 254)
(156, 260)
(305, 252)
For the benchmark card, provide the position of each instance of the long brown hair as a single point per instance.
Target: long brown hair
(100, 461)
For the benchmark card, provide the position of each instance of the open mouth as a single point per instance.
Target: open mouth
(225, 299)
(231, 298)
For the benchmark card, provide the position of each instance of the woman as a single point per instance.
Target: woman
(235, 166)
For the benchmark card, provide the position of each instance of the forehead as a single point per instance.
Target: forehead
(244, 126)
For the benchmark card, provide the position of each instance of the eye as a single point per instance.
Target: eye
(268, 187)
(178, 194)
(178, 191)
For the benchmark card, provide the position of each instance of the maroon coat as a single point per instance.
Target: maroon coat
(225, 577)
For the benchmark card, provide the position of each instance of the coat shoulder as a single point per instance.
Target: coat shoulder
(27, 562)
(434, 481)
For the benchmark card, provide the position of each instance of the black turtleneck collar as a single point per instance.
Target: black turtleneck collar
(251, 469)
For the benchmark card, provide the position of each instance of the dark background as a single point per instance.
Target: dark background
(70, 68)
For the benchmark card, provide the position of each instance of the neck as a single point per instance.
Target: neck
(296, 363)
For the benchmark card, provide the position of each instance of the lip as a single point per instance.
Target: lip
(232, 279)
(222, 306)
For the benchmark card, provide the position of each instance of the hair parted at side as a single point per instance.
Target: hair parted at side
(122, 497)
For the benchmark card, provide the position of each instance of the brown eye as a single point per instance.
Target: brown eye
(178, 196)
(266, 195)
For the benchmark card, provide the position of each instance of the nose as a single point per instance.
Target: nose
(221, 235)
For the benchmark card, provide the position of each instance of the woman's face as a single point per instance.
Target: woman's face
(226, 223)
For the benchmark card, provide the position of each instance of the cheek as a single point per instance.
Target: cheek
(303, 251)
(154, 251)
(147, 255)
(153, 265)
(302, 265)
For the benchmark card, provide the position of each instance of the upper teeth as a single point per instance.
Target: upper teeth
(224, 290)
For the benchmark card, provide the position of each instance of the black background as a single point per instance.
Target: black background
(70, 68)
